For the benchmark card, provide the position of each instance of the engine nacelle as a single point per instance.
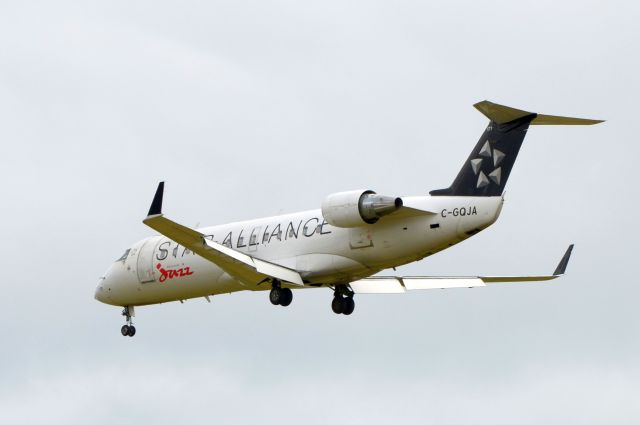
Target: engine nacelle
(357, 207)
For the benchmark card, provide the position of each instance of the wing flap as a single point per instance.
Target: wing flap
(401, 284)
(378, 285)
(413, 283)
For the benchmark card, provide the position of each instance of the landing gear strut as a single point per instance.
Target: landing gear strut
(128, 329)
(279, 295)
(343, 300)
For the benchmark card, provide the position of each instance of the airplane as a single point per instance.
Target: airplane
(342, 246)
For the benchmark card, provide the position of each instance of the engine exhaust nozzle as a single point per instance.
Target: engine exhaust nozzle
(373, 206)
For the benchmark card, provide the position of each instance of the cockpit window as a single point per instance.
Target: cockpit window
(124, 256)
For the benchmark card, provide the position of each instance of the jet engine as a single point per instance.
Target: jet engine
(357, 207)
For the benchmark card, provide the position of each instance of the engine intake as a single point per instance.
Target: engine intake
(357, 207)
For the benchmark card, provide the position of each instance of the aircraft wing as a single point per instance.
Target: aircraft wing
(401, 284)
(242, 266)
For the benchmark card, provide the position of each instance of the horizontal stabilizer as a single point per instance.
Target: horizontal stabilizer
(503, 114)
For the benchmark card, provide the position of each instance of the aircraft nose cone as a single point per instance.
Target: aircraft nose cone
(101, 292)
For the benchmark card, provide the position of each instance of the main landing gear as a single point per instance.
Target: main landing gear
(279, 295)
(128, 329)
(343, 300)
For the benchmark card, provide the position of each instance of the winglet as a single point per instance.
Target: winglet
(156, 205)
(562, 266)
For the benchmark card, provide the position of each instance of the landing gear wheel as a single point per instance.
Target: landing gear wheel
(275, 296)
(128, 329)
(349, 305)
(286, 296)
(338, 304)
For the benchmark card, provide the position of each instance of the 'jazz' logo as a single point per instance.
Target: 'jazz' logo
(170, 274)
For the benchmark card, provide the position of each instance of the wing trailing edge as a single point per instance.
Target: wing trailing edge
(401, 284)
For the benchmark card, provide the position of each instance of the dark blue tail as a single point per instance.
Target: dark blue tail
(486, 171)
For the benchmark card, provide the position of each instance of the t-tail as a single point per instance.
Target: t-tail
(486, 171)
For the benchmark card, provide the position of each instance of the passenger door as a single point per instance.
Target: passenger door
(145, 262)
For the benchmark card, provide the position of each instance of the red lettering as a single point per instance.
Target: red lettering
(163, 273)
(170, 274)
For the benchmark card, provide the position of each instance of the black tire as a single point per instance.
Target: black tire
(337, 305)
(275, 296)
(132, 330)
(286, 296)
(349, 305)
(124, 330)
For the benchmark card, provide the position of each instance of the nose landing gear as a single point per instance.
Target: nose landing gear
(128, 329)
(343, 300)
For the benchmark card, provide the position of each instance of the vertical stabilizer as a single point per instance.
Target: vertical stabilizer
(486, 171)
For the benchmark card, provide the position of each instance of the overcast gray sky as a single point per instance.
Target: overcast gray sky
(248, 109)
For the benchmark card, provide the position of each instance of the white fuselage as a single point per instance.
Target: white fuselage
(157, 269)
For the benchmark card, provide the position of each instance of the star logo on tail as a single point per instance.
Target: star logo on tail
(492, 155)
